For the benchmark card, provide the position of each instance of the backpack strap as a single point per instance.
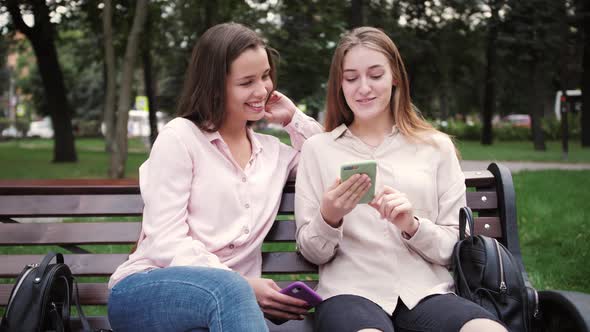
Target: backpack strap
(465, 216)
(83, 319)
(56, 319)
(45, 263)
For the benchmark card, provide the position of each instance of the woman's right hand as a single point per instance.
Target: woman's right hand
(342, 197)
(275, 304)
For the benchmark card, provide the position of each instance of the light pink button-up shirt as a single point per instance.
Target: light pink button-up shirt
(201, 207)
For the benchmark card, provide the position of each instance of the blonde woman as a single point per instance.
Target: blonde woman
(383, 265)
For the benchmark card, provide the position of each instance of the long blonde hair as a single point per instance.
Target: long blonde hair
(405, 114)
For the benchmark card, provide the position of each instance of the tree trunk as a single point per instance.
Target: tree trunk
(111, 73)
(149, 82)
(41, 37)
(586, 79)
(119, 154)
(356, 14)
(489, 106)
(536, 106)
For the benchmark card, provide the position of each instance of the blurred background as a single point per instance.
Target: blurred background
(481, 70)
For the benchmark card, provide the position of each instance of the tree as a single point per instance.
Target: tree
(533, 38)
(110, 75)
(585, 136)
(489, 106)
(357, 14)
(42, 38)
(315, 27)
(119, 147)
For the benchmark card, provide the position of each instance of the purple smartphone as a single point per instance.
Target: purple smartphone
(302, 291)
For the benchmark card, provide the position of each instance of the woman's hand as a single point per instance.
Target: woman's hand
(275, 304)
(394, 206)
(342, 197)
(279, 109)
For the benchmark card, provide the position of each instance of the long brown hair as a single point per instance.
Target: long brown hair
(203, 95)
(405, 114)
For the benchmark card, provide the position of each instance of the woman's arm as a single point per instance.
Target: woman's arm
(165, 181)
(434, 239)
(280, 109)
(316, 239)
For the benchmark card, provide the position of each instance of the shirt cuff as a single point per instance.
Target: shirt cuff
(322, 229)
(421, 237)
(297, 121)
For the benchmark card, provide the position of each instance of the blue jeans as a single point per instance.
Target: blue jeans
(184, 299)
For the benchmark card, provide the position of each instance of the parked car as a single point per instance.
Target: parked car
(518, 120)
(11, 132)
(41, 128)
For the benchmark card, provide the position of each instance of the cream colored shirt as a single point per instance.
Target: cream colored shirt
(367, 255)
(201, 207)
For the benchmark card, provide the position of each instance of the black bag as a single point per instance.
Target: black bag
(486, 273)
(40, 299)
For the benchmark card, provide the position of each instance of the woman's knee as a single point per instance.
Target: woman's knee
(482, 325)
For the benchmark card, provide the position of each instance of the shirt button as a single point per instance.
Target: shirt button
(246, 230)
(231, 246)
(247, 206)
(244, 179)
(296, 124)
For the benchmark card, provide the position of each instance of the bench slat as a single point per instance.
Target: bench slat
(128, 232)
(479, 178)
(105, 264)
(70, 205)
(70, 233)
(82, 264)
(482, 200)
(488, 226)
(69, 186)
(286, 263)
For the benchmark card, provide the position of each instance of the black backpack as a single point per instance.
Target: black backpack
(40, 299)
(486, 273)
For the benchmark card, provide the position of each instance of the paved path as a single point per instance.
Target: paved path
(515, 166)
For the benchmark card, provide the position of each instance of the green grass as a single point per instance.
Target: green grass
(519, 151)
(31, 158)
(554, 232)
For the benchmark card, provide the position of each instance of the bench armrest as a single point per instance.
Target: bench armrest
(565, 310)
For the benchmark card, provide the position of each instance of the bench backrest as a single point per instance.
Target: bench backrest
(94, 246)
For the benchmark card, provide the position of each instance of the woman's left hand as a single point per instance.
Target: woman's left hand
(279, 109)
(394, 206)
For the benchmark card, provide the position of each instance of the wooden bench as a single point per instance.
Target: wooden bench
(94, 247)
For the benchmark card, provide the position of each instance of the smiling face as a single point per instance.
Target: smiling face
(248, 85)
(367, 83)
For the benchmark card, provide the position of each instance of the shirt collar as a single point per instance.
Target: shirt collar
(216, 136)
(256, 145)
(343, 129)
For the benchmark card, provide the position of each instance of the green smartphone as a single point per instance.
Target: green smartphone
(368, 167)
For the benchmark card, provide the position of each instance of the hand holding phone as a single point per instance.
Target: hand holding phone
(368, 167)
(300, 291)
(303, 292)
